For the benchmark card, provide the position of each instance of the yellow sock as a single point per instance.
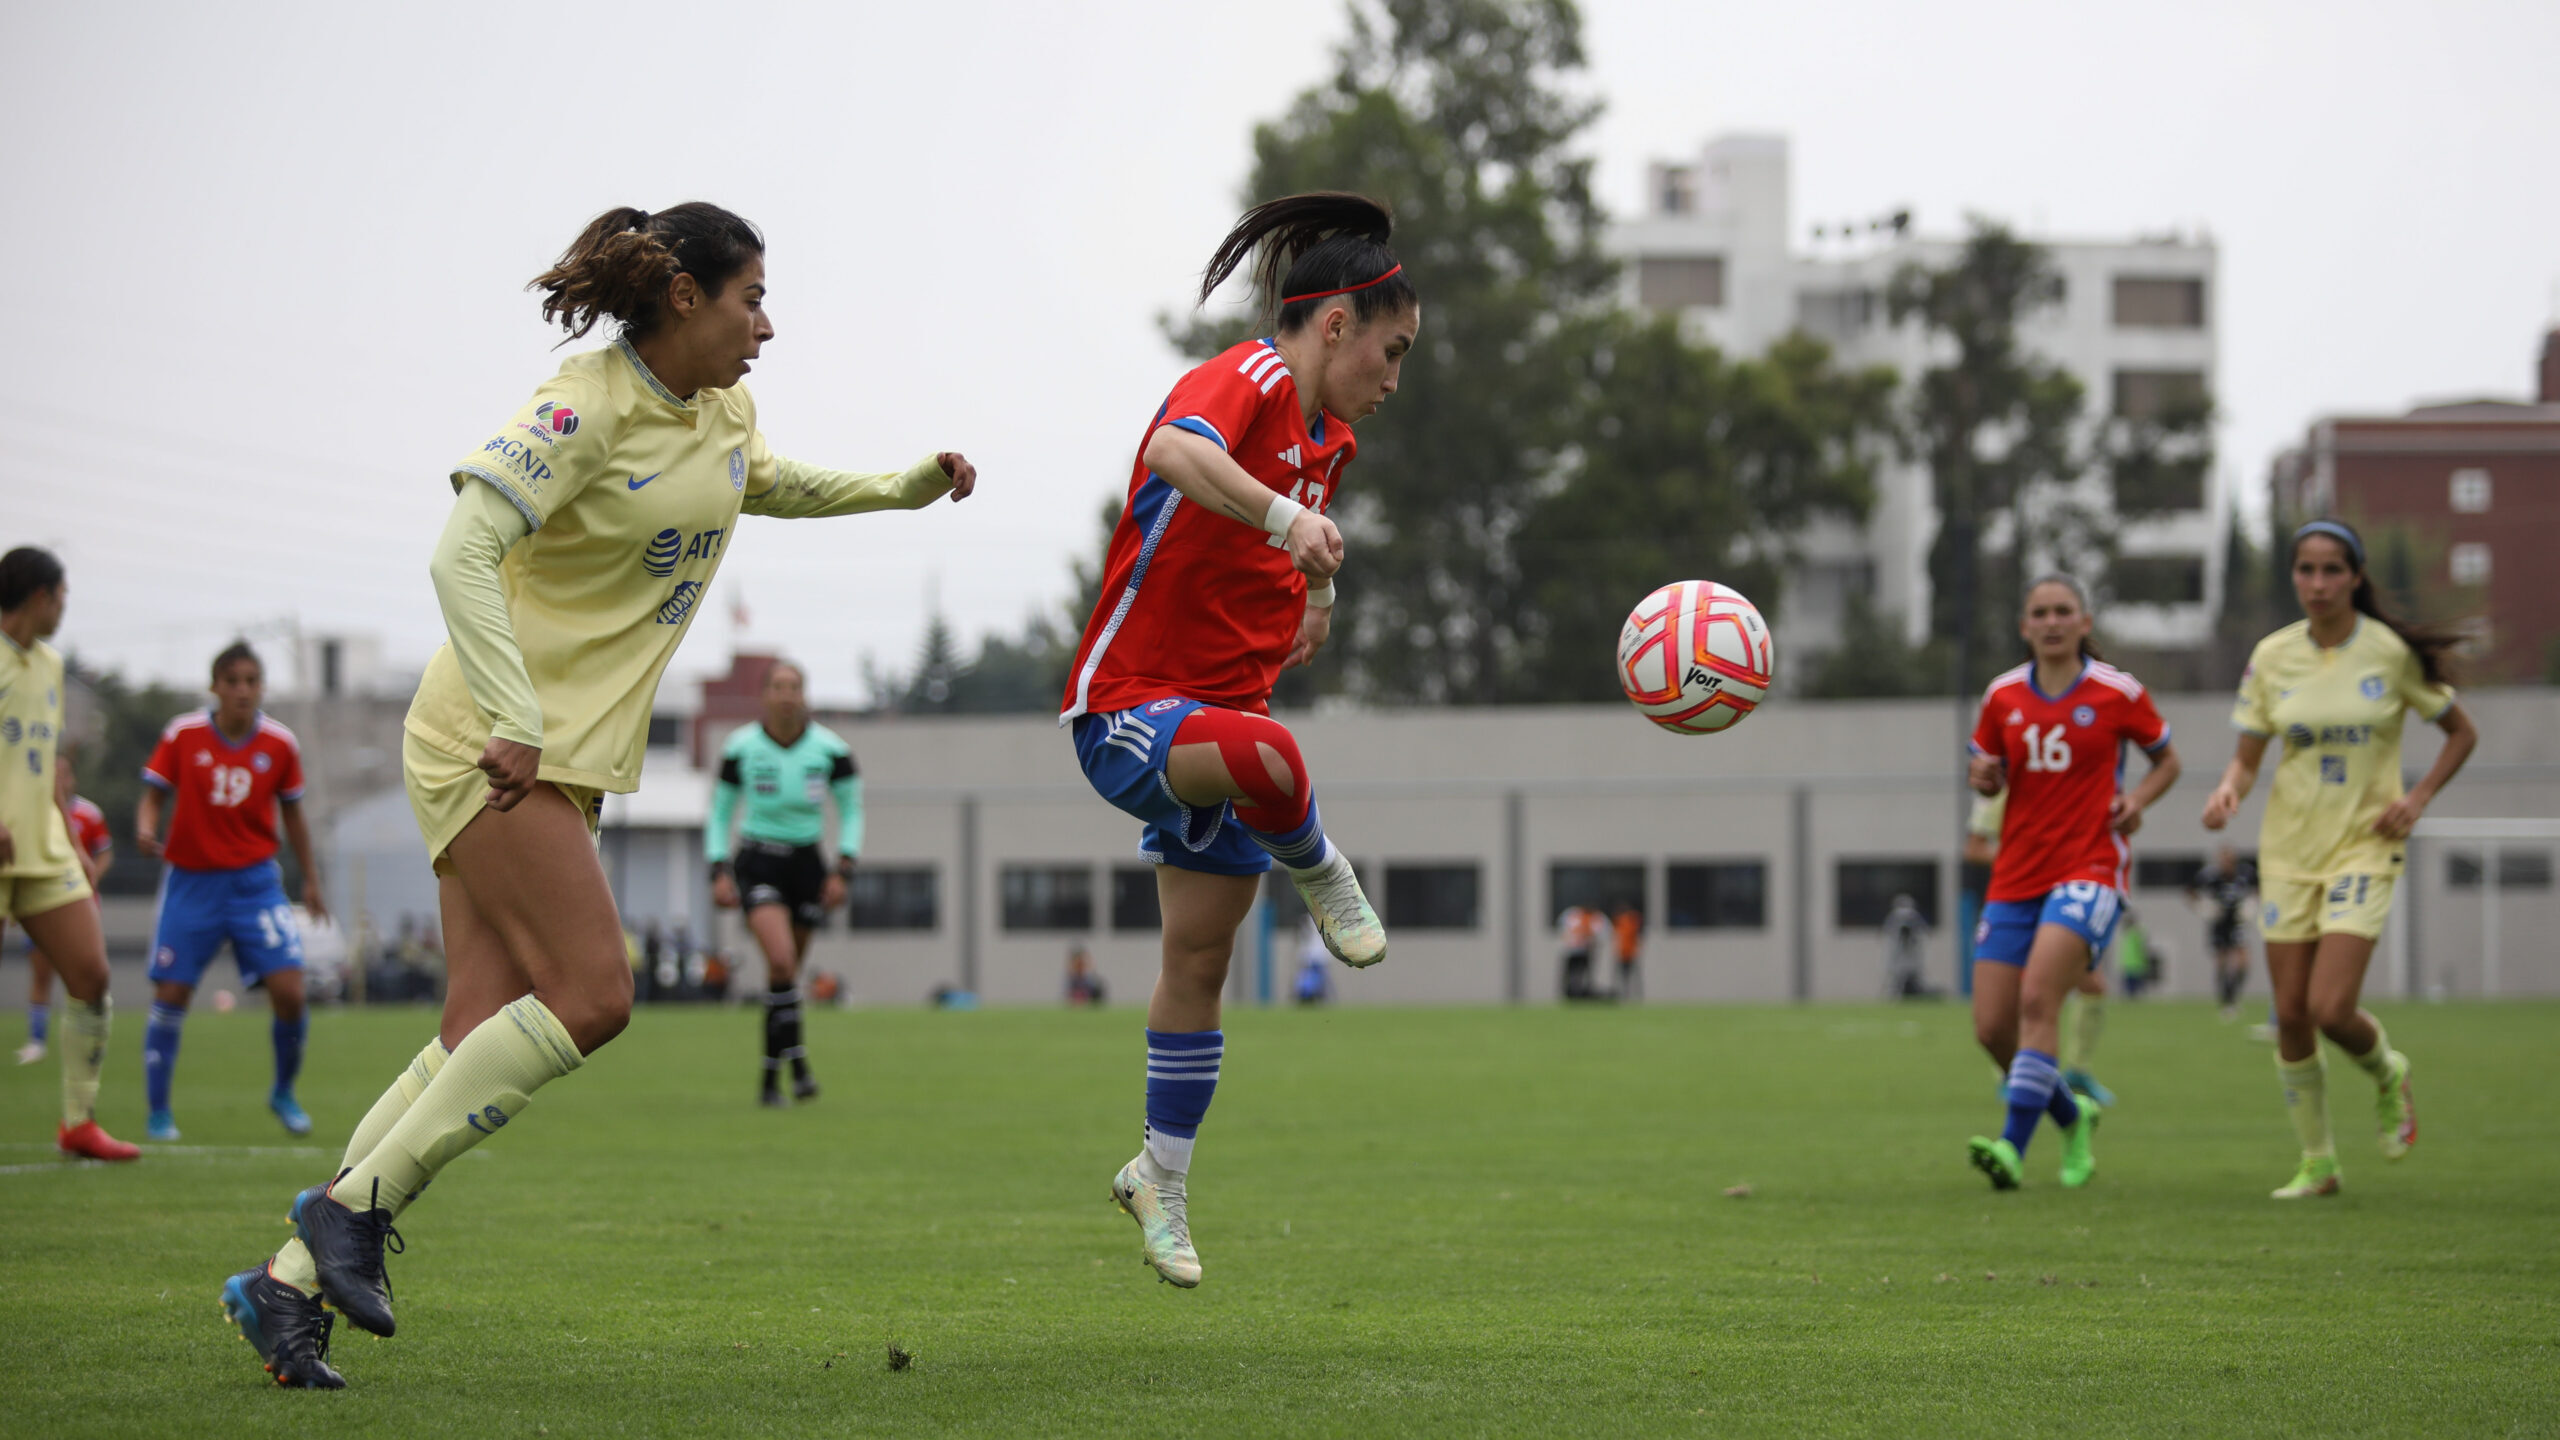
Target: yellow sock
(2087, 1019)
(293, 1264)
(489, 1081)
(2376, 1062)
(2306, 1100)
(84, 1054)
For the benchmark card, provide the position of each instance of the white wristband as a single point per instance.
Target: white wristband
(1282, 514)
(1320, 596)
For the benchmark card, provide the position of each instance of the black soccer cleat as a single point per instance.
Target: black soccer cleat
(288, 1329)
(347, 1248)
(805, 1088)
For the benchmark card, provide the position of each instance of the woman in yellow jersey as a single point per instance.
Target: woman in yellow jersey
(583, 535)
(2335, 686)
(41, 879)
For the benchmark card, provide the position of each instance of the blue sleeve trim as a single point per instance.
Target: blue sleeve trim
(156, 783)
(2156, 746)
(1203, 429)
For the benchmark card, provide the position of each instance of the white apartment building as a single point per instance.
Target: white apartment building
(1717, 242)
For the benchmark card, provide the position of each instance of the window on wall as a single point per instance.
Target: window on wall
(2470, 562)
(1608, 886)
(2157, 579)
(2165, 872)
(1047, 897)
(2159, 302)
(891, 897)
(1134, 904)
(1678, 282)
(1863, 890)
(2158, 394)
(2470, 492)
(2517, 869)
(665, 730)
(1432, 897)
(1715, 895)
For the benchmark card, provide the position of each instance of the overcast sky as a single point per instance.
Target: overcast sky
(267, 261)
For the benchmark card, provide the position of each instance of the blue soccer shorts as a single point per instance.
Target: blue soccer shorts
(201, 909)
(1123, 753)
(2083, 907)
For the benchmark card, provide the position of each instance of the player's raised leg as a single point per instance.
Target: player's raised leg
(1252, 762)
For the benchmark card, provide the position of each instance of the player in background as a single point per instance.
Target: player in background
(2337, 685)
(2085, 1009)
(1219, 575)
(784, 766)
(583, 534)
(1627, 947)
(228, 772)
(2052, 734)
(42, 881)
(2225, 890)
(96, 849)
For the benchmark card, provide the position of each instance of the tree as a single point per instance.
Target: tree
(130, 719)
(1996, 428)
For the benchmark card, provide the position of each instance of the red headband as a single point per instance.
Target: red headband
(1345, 290)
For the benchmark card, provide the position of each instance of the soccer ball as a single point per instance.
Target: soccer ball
(1695, 657)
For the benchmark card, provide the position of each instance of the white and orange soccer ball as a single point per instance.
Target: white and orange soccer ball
(1695, 657)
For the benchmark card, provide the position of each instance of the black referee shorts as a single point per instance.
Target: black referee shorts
(792, 876)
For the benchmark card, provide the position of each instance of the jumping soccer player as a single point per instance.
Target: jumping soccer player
(229, 772)
(96, 849)
(41, 879)
(2052, 733)
(784, 766)
(1220, 575)
(2225, 889)
(2336, 685)
(582, 536)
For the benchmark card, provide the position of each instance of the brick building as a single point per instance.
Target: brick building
(2462, 501)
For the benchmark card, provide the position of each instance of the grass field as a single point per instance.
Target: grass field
(1413, 1222)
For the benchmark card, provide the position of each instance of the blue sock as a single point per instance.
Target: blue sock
(1182, 1073)
(2064, 1107)
(38, 1016)
(1299, 849)
(2032, 1081)
(286, 1036)
(160, 1052)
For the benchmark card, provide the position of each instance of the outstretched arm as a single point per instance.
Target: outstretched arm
(806, 492)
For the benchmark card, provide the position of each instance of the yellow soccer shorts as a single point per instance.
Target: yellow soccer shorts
(447, 792)
(2302, 909)
(25, 895)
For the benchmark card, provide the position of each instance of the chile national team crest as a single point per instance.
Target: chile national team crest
(2084, 717)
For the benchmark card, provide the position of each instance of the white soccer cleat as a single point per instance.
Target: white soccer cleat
(31, 1052)
(1342, 914)
(1152, 1195)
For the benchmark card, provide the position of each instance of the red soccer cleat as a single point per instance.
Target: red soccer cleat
(89, 1142)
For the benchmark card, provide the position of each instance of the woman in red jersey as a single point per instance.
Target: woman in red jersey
(1220, 575)
(2052, 733)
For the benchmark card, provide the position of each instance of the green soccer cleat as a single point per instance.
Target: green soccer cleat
(2086, 1086)
(1997, 1159)
(1343, 916)
(2079, 1162)
(2318, 1176)
(1153, 1196)
(2397, 1109)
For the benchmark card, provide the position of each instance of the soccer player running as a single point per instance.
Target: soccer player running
(582, 536)
(2336, 685)
(2086, 1005)
(41, 879)
(96, 849)
(2224, 889)
(784, 766)
(1220, 575)
(228, 772)
(2052, 734)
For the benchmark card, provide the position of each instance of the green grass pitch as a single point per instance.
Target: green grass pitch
(1413, 1222)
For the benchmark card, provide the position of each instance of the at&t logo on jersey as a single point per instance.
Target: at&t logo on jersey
(660, 558)
(681, 603)
(10, 730)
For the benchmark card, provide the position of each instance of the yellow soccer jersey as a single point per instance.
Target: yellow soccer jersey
(2337, 716)
(30, 722)
(633, 495)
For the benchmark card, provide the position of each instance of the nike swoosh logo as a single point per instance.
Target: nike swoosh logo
(639, 480)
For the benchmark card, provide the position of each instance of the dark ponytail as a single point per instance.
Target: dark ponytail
(1312, 248)
(619, 267)
(2433, 646)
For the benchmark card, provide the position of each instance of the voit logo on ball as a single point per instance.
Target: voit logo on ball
(660, 558)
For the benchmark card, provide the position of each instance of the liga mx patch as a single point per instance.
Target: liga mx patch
(559, 419)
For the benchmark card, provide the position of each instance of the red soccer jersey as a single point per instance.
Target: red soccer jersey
(224, 794)
(2066, 765)
(89, 826)
(1196, 603)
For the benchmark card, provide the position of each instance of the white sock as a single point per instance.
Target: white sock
(1170, 1154)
